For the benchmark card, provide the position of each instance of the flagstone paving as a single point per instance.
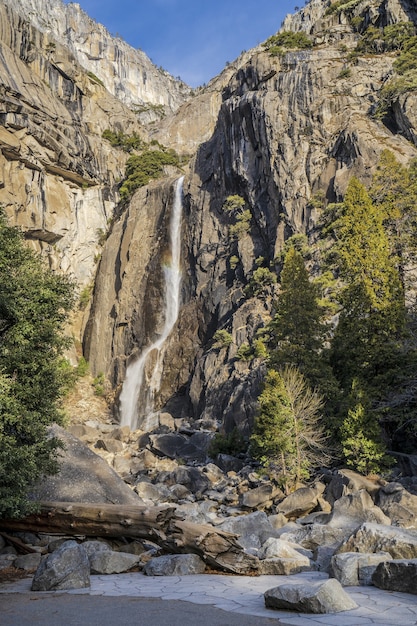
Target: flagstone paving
(244, 595)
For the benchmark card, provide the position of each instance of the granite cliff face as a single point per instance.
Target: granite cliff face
(286, 129)
(276, 130)
(58, 176)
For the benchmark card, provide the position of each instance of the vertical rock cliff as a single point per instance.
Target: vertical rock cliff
(277, 130)
(288, 128)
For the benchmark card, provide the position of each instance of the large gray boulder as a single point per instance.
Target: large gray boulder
(398, 542)
(315, 597)
(259, 497)
(83, 477)
(399, 504)
(66, 568)
(352, 510)
(301, 502)
(345, 482)
(353, 568)
(253, 529)
(175, 565)
(111, 562)
(397, 575)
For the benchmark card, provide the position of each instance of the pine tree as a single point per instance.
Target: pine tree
(297, 331)
(371, 297)
(288, 434)
(366, 347)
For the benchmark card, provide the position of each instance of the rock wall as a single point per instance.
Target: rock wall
(287, 128)
(127, 73)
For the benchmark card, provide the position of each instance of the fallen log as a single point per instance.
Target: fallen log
(217, 548)
(96, 520)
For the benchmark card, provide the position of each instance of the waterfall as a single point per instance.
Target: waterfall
(134, 390)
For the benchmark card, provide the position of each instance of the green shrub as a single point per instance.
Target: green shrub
(222, 339)
(262, 279)
(232, 443)
(242, 224)
(341, 6)
(345, 73)
(128, 143)
(82, 367)
(85, 296)
(142, 168)
(98, 384)
(233, 261)
(244, 353)
(287, 39)
(95, 79)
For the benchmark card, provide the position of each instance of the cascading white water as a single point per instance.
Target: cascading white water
(133, 390)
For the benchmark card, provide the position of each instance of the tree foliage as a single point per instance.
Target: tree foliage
(288, 435)
(34, 305)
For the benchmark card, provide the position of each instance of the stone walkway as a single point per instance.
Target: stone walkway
(244, 595)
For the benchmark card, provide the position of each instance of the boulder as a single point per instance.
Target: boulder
(399, 504)
(179, 446)
(398, 542)
(397, 575)
(92, 547)
(301, 502)
(315, 597)
(314, 535)
(190, 477)
(175, 565)
(278, 548)
(110, 562)
(66, 568)
(345, 482)
(354, 509)
(283, 567)
(83, 477)
(260, 496)
(28, 562)
(253, 529)
(229, 463)
(353, 568)
(153, 494)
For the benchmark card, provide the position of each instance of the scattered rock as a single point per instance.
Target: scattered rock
(398, 575)
(354, 509)
(301, 502)
(175, 565)
(110, 562)
(354, 568)
(316, 597)
(66, 568)
(398, 542)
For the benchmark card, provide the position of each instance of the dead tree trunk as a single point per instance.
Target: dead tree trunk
(96, 520)
(217, 548)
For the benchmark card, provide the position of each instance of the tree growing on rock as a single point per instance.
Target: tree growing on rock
(34, 306)
(288, 435)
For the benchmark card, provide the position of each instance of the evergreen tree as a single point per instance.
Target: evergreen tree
(362, 446)
(288, 434)
(366, 347)
(394, 192)
(297, 331)
(34, 305)
(371, 297)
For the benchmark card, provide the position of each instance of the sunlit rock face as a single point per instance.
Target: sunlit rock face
(126, 72)
(280, 131)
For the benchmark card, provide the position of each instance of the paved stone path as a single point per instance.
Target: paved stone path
(244, 595)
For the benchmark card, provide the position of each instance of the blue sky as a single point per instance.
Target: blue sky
(193, 39)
